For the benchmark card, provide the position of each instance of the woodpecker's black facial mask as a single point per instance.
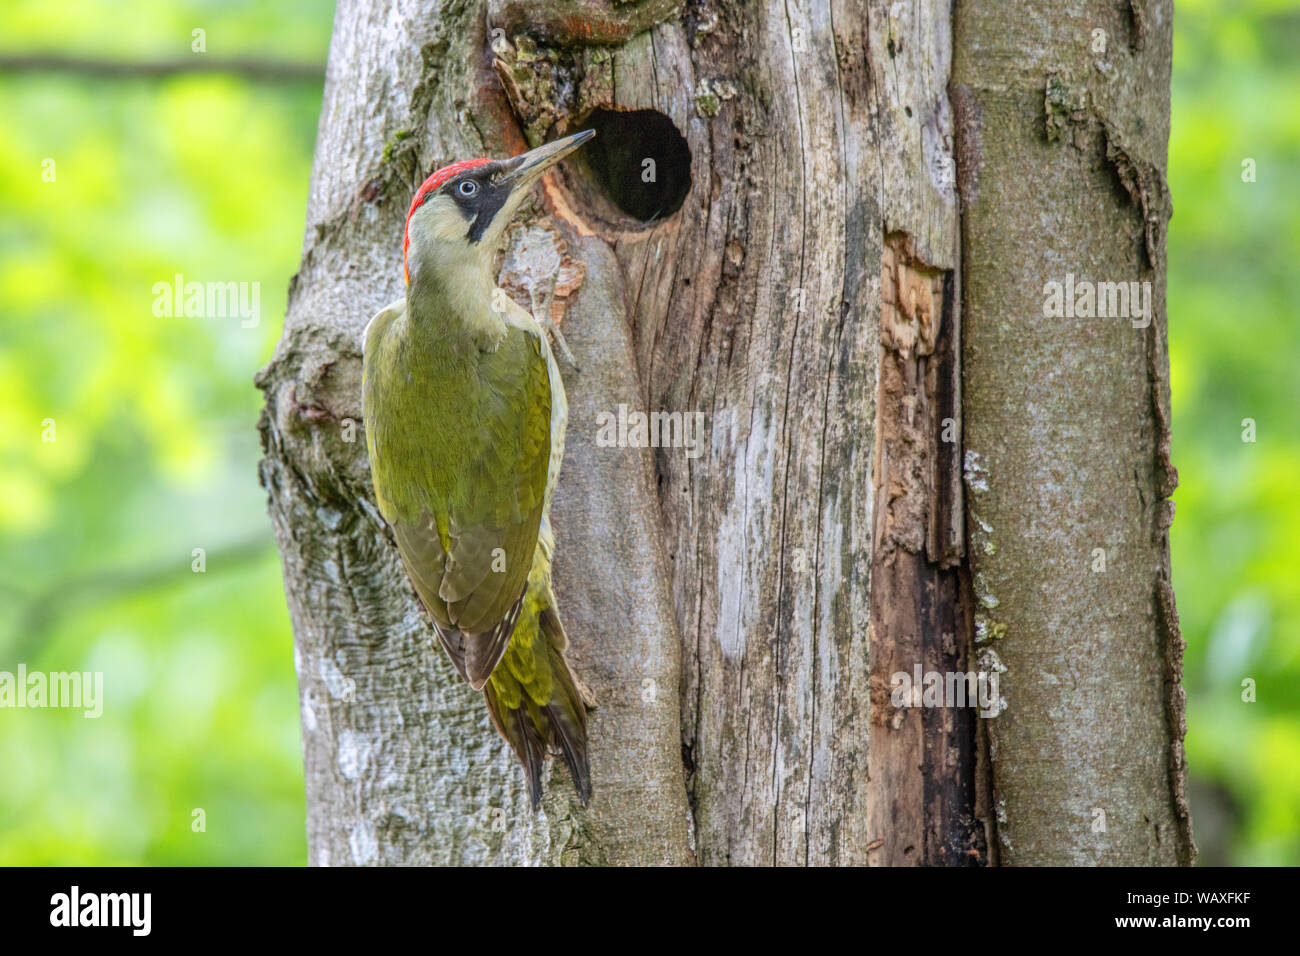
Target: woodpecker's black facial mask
(479, 197)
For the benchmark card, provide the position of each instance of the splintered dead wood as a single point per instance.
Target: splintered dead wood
(917, 415)
(911, 299)
(922, 803)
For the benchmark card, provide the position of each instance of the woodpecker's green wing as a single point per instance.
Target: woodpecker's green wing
(460, 448)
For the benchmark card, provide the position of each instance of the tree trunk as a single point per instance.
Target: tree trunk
(766, 231)
(1064, 127)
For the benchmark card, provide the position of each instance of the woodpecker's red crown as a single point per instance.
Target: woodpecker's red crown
(424, 192)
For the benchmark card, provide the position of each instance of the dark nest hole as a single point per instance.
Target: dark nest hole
(638, 166)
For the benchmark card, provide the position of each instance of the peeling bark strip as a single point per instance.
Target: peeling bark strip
(922, 760)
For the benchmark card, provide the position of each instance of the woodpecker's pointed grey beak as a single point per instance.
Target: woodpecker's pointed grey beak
(523, 170)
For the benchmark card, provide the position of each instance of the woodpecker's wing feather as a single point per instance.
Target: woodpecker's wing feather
(424, 559)
(461, 473)
(474, 655)
(518, 316)
(380, 322)
(477, 655)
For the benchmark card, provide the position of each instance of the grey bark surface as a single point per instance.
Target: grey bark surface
(811, 133)
(720, 607)
(1063, 156)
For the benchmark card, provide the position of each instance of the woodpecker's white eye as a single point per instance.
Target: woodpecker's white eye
(468, 187)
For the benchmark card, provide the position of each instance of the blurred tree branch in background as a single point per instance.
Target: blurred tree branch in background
(40, 609)
(281, 71)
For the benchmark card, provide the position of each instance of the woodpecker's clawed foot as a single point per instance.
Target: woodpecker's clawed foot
(542, 313)
(561, 346)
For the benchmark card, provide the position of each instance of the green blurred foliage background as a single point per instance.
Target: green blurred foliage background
(156, 447)
(1234, 341)
(156, 451)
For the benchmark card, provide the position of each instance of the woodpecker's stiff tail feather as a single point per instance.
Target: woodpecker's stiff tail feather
(535, 702)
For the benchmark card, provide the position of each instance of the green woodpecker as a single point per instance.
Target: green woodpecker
(465, 416)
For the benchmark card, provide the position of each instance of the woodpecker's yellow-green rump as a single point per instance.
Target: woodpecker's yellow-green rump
(465, 416)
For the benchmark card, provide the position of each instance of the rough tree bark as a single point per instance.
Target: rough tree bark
(793, 271)
(1064, 128)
